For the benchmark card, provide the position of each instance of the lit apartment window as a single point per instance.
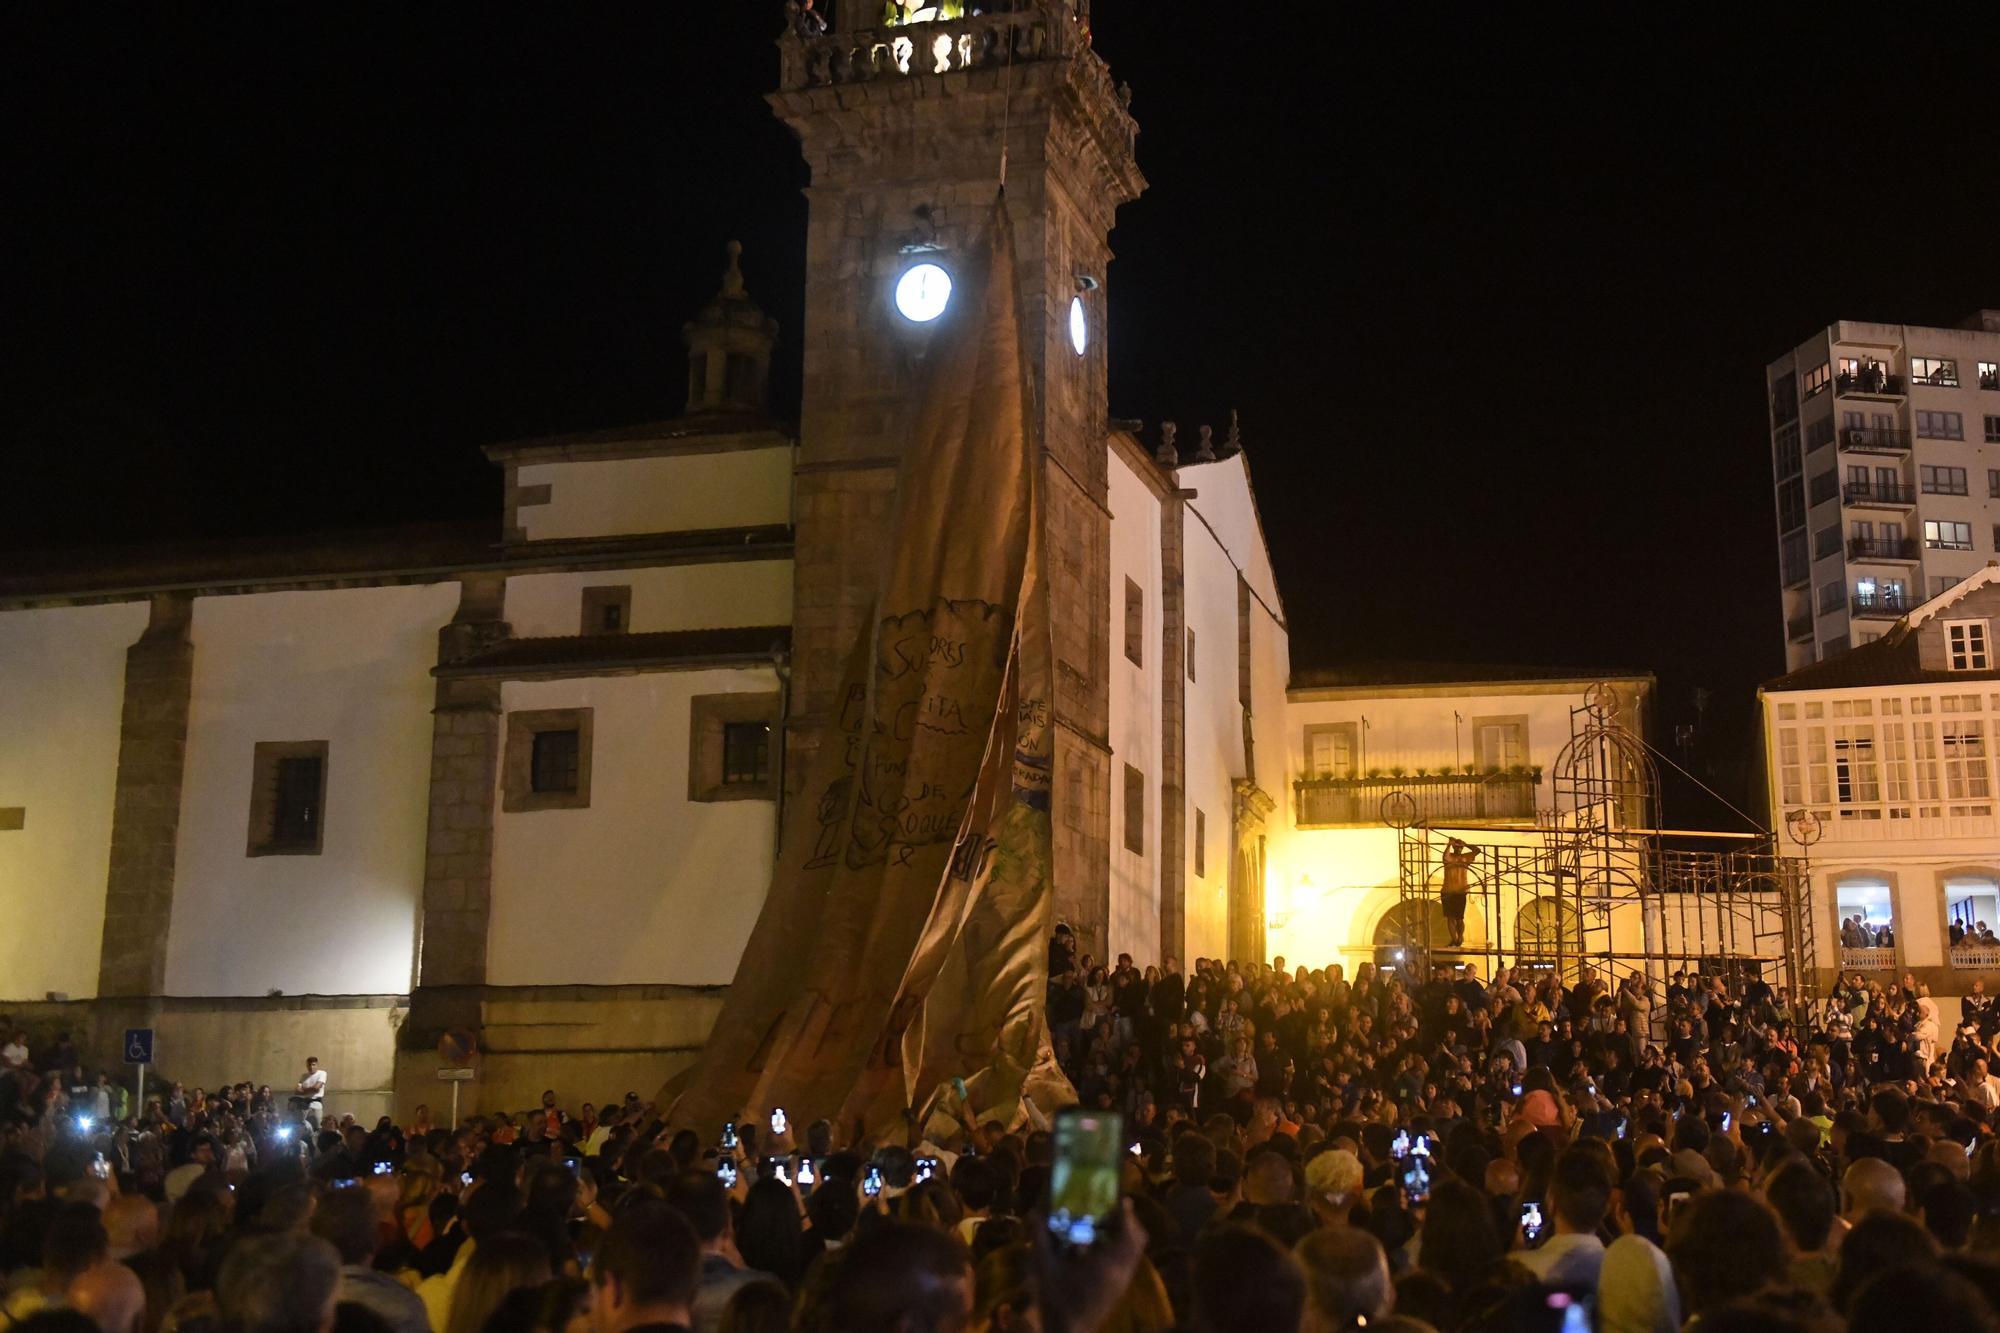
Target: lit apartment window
(1879, 595)
(1940, 372)
(1989, 374)
(1943, 535)
(1941, 425)
(1941, 480)
(1815, 380)
(1965, 645)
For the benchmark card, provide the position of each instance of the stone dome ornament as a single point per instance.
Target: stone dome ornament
(729, 347)
(923, 292)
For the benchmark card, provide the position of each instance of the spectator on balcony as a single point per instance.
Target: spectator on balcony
(1853, 935)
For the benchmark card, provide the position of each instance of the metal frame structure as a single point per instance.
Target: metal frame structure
(1598, 881)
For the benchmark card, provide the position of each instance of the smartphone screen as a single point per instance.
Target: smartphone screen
(1726, 1120)
(1417, 1179)
(778, 1121)
(100, 1167)
(781, 1170)
(806, 1173)
(729, 1135)
(384, 1169)
(465, 1177)
(926, 1168)
(1531, 1222)
(1399, 1147)
(1084, 1177)
(871, 1184)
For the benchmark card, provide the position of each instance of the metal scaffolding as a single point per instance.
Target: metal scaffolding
(1596, 880)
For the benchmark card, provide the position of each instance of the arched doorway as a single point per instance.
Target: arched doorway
(1545, 929)
(1408, 926)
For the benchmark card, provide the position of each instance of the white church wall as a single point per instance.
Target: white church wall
(350, 667)
(671, 597)
(1134, 714)
(1214, 729)
(675, 493)
(59, 716)
(643, 885)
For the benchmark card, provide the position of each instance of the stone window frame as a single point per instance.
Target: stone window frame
(707, 715)
(1135, 820)
(1351, 731)
(517, 765)
(265, 758)
(1200, 843)
(596, 599)
(1517, 720)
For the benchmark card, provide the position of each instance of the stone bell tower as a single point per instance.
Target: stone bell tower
(905, 114)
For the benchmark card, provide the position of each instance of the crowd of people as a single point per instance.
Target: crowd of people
(1415, 1147)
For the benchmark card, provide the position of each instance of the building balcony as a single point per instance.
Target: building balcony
(1882, 548)
(1867, 960)
(1975, 958)
(1874, 440)
(1879, 607)
(925, 43)
(1799, 628)
(1870, 383)
(1877, 495)
(1441, 798)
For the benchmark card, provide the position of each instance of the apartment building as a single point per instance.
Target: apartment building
(1885, 456)
(1888, 749)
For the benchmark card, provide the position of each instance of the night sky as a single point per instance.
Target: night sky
(1493, 296)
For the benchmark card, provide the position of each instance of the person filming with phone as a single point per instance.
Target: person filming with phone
(1579, 1196)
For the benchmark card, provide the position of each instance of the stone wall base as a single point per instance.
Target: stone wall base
(588, 1043)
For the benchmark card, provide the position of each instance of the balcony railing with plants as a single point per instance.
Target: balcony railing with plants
(1441, 795)
(1874, 440)
(1879, 493)
(1880, 606)
(1882, 548)
(1873, 382)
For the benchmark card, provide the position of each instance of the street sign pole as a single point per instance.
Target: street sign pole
(454, 1077)
(139, 1051)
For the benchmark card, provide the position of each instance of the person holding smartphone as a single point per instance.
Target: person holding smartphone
(1579, 1198)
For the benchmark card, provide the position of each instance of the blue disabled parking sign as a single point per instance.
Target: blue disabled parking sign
(138, 1046)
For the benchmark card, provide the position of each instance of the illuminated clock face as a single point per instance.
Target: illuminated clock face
(1079, 327)
(922, 292)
